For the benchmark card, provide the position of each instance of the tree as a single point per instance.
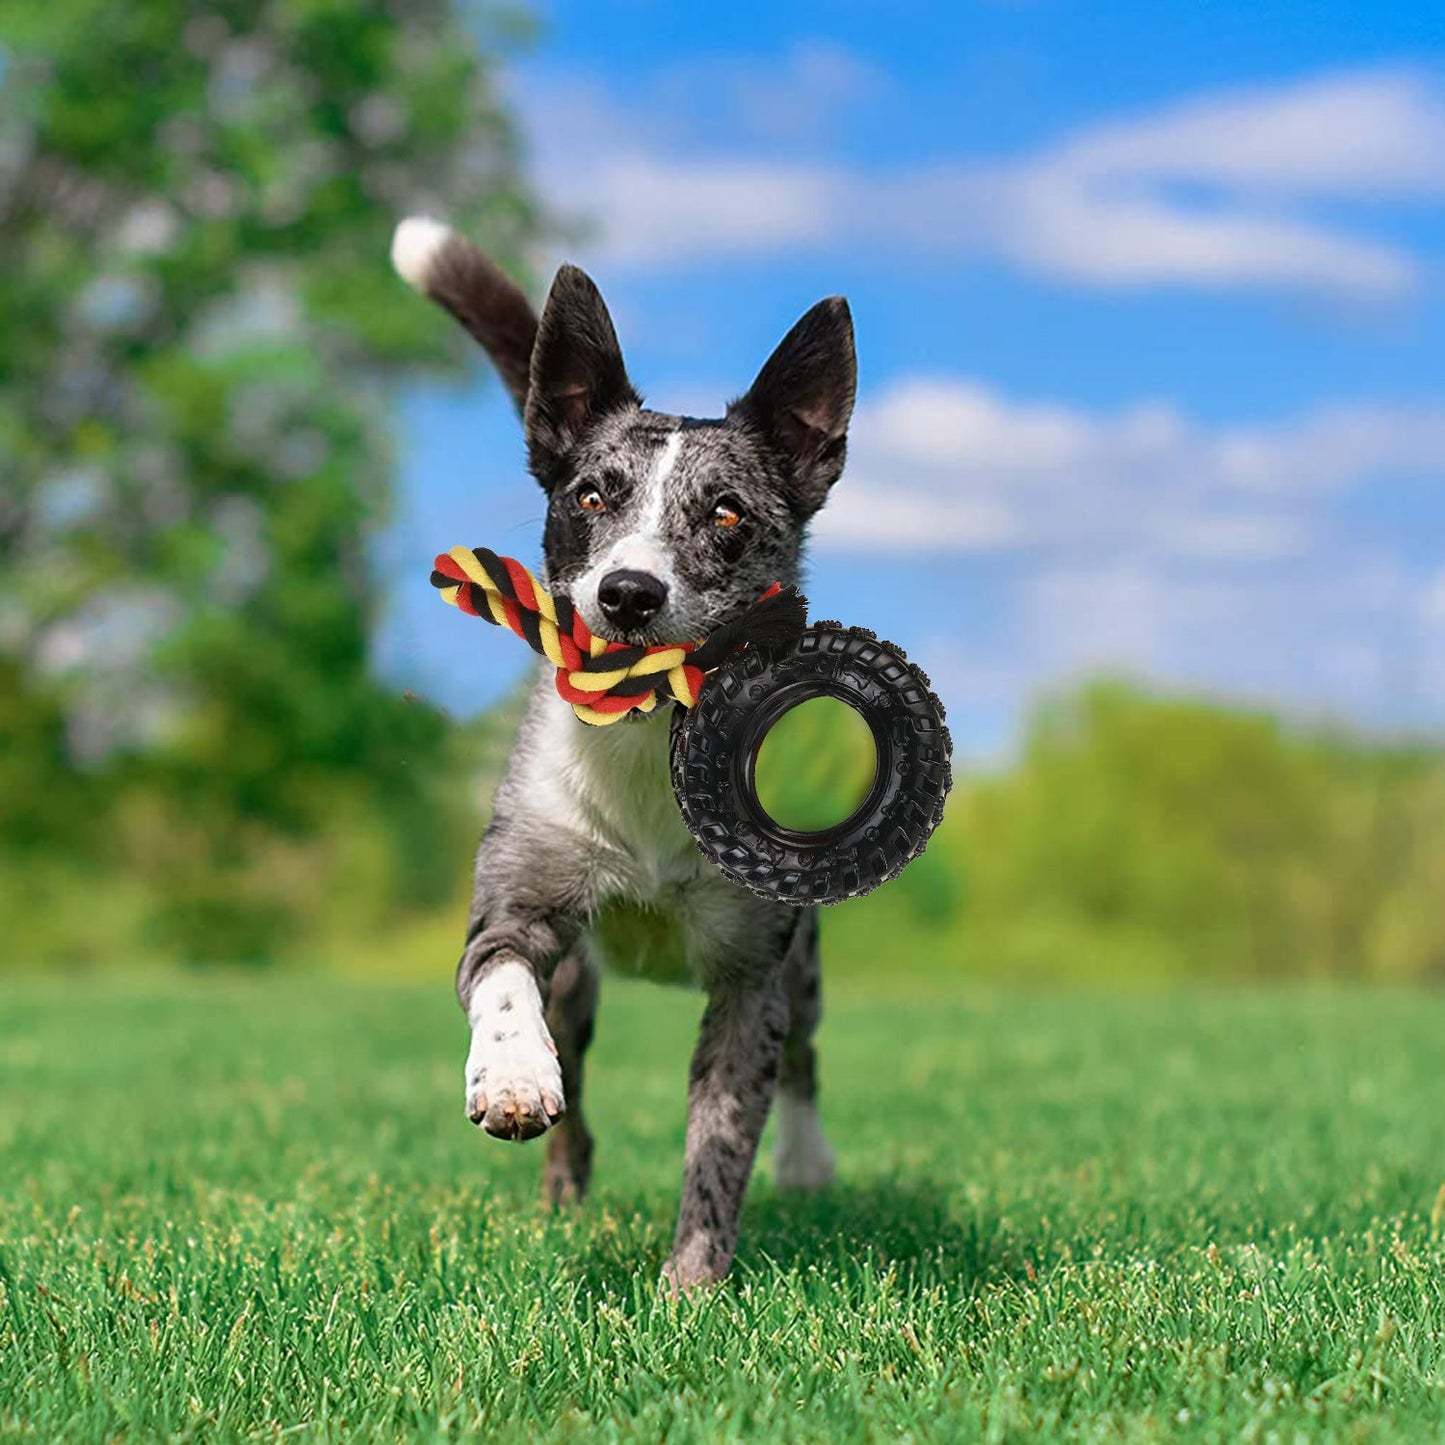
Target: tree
(1156, 835)
(199, 335)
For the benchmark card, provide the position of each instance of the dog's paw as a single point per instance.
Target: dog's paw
(694, 1267)
(514, 1092)
(513, 1079)
(802, 1158)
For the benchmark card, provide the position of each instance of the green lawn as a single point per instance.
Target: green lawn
(253, 1208)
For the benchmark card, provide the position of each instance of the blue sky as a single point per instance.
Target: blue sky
(1150, 318)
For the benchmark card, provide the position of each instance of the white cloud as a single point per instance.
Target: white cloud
(1329, 636)
(1432, 602)
(949, 465)
(1379, 132)
(1332, 638)
(1102, 207)
(872, 518)
(1100, 231)
(701, 210)
(797, 99)
(1335, 448)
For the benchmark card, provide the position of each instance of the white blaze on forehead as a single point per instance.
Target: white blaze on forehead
(666, 461)
(647, 523)
(642, 548)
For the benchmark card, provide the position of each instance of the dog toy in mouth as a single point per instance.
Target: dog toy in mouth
(603, 680)
(735, 684)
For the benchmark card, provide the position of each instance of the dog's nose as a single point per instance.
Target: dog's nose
(631, 599)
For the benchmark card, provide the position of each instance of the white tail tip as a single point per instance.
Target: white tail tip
(415, 246)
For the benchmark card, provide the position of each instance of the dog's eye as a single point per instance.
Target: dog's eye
(726, 513)
(591, 500)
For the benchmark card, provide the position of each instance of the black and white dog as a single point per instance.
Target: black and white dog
(659, 528)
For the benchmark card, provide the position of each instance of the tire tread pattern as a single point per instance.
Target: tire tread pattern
(890, 830)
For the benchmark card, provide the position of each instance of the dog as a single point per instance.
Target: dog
(659, 528)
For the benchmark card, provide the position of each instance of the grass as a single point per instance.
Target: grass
(248, 1209)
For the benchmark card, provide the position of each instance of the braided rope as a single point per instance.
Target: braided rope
(603, 680)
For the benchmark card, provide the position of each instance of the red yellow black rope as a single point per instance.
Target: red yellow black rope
(603, 680)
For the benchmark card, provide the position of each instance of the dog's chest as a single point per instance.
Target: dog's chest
(624, 791)
(653, 900)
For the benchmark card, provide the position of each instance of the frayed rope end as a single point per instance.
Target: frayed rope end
(778, 616)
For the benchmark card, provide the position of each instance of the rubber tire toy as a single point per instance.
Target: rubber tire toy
(715, 749)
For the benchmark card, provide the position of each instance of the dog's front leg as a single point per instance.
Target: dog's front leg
(513, 1076)
(514, 1080)
(734, 1073)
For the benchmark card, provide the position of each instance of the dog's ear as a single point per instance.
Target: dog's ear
(435, 260)
(577, 371)
(803, 398)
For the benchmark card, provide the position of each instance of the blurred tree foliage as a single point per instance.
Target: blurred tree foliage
(1145, 835)
(199, 335)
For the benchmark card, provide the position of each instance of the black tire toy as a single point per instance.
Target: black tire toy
(715, 749)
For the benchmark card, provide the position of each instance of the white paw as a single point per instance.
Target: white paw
(802, 1158)
(514, 1082)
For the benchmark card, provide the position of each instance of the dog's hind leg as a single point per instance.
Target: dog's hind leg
(571, 1009)
(801, 1156)
(734, 1074)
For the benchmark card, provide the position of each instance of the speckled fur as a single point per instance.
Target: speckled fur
(584, 822)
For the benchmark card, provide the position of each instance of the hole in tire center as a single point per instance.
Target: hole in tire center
(815, 765)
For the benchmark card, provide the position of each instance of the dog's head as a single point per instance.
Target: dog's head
(658, 527)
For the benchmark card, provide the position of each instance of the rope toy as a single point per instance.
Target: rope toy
(603, 680)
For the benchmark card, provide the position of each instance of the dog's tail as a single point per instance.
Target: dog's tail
(435, 260)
